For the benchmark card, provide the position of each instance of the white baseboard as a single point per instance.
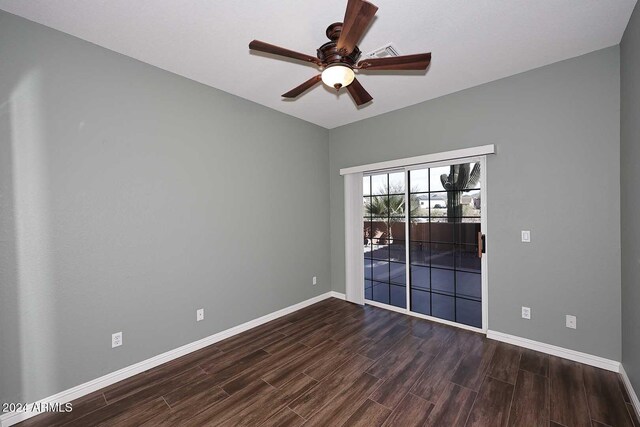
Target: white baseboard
(338, 295)
(76, 392)
(635, 402)
(576, 356)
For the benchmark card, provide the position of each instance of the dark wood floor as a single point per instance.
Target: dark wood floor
(336, 363)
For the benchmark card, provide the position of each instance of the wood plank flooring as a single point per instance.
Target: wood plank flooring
(338, 364)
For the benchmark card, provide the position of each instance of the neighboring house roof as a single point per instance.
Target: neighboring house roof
(441, 196)
(434, 196)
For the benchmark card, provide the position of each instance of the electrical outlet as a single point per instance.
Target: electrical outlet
(526, 236)
(571, 321)
(116, 339)
(526, 313)
(199, 314)
(315, 280)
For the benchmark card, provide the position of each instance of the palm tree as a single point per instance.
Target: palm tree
(461, 178)
(389, 208)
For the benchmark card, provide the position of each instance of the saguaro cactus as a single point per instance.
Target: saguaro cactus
(460, 178)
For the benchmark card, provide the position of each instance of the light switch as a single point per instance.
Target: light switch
(526, 236)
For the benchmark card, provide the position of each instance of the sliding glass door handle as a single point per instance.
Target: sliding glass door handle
(481, 244)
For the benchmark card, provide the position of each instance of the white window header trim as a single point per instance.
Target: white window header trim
(427, 158)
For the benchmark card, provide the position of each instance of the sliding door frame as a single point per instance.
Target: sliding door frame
(483, 226)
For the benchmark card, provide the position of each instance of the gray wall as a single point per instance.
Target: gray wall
(557, 131)
(630, 201)
(131, 197)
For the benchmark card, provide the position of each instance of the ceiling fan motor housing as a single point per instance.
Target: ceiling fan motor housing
(328, 52)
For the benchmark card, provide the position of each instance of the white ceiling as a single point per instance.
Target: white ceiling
(472, 42)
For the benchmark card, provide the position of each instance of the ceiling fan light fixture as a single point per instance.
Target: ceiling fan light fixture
(337, 76)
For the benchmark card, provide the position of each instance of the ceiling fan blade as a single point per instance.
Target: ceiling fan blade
(418, 61)
(277, 50)
(299, 90)
(357, 18)
(357, 92)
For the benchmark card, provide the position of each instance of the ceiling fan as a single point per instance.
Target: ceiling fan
(338, 58)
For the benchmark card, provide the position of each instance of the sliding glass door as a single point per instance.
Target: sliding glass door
(431, 214)
(445, 273)
(384, 238)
